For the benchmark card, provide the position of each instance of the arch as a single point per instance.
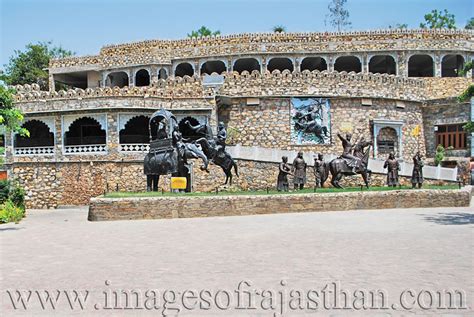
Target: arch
(387, 142)
(246, 64)
(214, 66)
(85, 131)
(162, 73)
(184, 69)
(186, 130)
(451, 65)
(142, 78)
(420, 65)
(348, 64)
(382, 64)
(314, 63)
(117, 79)
(280, 63)
(40, 135)
(135, 131)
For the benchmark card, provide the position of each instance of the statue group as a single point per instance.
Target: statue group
(393, 167)
(169, 151)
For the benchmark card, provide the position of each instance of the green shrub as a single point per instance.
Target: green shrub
(10, 213)
(4, 190)
(17, 196)
(439, 156)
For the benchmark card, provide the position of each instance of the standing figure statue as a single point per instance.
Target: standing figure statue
(284, 171)
(299, 171)
(417, 174)
(321, 170)
(392, 166)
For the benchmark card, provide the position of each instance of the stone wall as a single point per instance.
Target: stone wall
(268, 124)
(189, 207)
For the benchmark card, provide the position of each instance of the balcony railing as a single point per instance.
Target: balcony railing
(137, 147)
(85, 149)
(36, 150)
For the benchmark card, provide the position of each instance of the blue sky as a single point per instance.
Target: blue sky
(84, 26)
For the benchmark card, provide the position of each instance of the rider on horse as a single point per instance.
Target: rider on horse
(352, 161)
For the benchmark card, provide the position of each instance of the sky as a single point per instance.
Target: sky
(84, 26)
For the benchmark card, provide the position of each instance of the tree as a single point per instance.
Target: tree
(470, 24)
(439, 20)
(28, 66)
(338, 15)
(202, 32)
(399, 26)
(279, 29)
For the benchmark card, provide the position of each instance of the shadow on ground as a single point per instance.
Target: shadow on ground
(458, 218)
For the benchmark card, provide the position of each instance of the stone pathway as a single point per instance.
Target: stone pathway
(389, 250)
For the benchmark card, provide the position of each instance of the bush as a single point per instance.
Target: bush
(4, 190)
(11, 213)
(439, 156)
(17, 196)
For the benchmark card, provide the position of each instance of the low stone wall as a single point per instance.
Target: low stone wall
(235, 205)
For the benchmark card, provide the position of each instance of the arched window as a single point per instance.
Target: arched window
(142, 78)
(210, 67)
(280, 63)
(117, 79)
(451, 65)
(314, 63)
(387, 142)
(248, 64)
(420, 66)
(184, 69)
(85, 131)
(40, 135)
(383, 64)
(348, 64)
(135, 131)
(162, 74)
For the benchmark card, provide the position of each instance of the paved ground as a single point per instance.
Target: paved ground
(388, 250)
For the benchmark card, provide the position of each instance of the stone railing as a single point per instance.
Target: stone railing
(85, 149)
(135, 147)
(160, 51)
(31, 151)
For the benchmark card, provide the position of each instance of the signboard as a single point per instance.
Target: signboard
(178, 183)
(310, 120)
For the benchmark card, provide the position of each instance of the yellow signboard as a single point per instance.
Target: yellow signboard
(416, 131)
(178, 183)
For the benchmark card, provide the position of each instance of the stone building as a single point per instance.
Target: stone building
(397, 88)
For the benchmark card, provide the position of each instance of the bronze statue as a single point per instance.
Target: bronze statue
(321, 170)
(354, 160)
(417, 174)
(392, 166)
(299, 171)
(284, 171)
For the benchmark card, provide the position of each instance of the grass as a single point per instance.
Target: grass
(270, 192)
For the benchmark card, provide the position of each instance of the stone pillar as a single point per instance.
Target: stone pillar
(230, 65)
(103, 81)
(298, 64)
(330, 62)
(437, 65)
(402, 64)
(112, 134)
(131, 78)
(153, 74)
(365, 64)
(51, 83)
(58, 137)
(197, 69)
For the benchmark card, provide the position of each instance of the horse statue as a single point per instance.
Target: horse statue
(354, 160)
(169, 151)
(313, 127)
(214, 149)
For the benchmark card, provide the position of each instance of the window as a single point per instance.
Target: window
(451, 135)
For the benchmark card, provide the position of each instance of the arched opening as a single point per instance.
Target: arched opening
(210, 67)
(186, 131)
(420, 66)
(451, 65)
(142, 78)
(383, 64)
(280, 63)
(40, 135)
(117, 79)
(248, 64)
(314, 63)
(348, 64)
(387, 142)
(162, 74)
(184, 69)
(135, 131)
(85, 131)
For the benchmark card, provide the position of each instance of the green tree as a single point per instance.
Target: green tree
(440, 153)
(338, 15)
(470, 24)
(399, 26)
(203, 31)
(279, 29)
(439, 20)
(28, 66)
